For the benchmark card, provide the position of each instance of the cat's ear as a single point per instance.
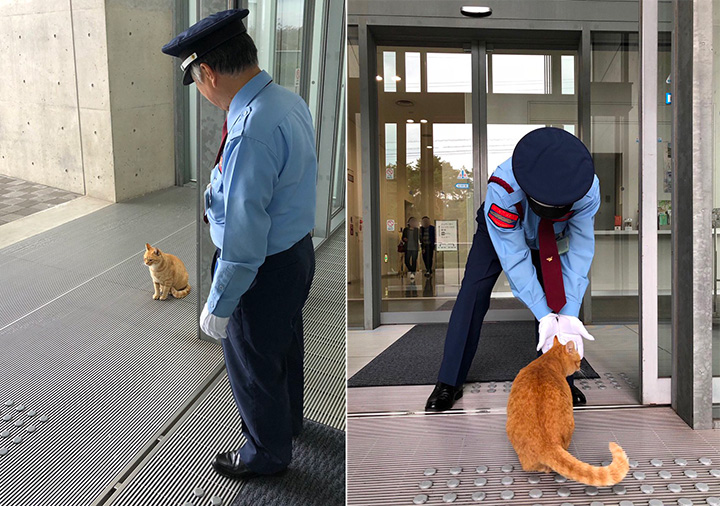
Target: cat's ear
(556, 341)
(157, 251)
(570, 347)
(148, 247)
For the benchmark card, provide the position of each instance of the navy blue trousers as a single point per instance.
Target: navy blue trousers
(463, 335)
(264, 356)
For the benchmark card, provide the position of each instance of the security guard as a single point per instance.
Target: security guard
(537, 225)
(260, 205)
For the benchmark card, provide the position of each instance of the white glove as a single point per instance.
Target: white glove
(572, 329)
(547, 330)
(212, 325)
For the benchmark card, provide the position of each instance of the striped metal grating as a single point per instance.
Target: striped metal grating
(90, 362)
(83, 344)
(324, 320)
(467, 459)
(179, 471)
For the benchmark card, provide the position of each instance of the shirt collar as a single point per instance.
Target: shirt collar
(245, 95)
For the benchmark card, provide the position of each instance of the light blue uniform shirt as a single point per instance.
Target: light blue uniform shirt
(263, 202)
(513, 245)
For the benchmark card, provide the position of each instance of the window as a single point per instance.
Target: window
(288, 57)
(502, 140)
(449, 73)
(521, 73)
(389, 71)
(390, 145)
(567, 69)
(412, 72)
(412, 144)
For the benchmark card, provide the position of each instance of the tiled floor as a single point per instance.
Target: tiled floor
(365, 345)
(19, 198)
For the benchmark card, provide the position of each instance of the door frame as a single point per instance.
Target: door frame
(479, 48)
(653, 390)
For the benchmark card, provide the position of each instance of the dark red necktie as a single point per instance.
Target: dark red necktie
(222, 144)
(551, 267)
(219, 155)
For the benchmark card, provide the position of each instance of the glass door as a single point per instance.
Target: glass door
(526, 89)
(427, 180)
(427, 148)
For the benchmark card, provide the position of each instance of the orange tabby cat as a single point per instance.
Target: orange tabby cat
(540, 420)
(168, 273)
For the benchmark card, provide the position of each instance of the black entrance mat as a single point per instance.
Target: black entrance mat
(316, 476)
(414, 359)
(496, 303)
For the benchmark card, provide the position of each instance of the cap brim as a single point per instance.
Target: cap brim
(187, 77)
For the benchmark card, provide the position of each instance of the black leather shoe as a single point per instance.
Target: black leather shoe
(230, 465)
(577, 396)
(443, 397)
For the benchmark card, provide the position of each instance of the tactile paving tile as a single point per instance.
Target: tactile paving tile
(389, 456)
(612, 388)
(18, 424)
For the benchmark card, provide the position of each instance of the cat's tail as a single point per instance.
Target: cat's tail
(179, 294)
(562, 462)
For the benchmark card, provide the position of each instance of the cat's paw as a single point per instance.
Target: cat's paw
(164, 296)
(156, 296)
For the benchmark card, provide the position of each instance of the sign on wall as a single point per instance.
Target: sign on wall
(446, 232)
(391, 225)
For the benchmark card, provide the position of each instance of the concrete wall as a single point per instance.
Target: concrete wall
(93, 92)
(87, 103)
(141, 95)
(39, 127)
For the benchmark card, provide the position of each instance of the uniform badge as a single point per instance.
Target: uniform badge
(501, 217)
(220, 164)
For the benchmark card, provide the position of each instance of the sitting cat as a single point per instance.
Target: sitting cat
(540, 421)
(168, 273)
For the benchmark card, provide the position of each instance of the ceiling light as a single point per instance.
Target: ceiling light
(429, 147)
(396, 78)
(475, 11)
(411, 121)
(423, 121)
(378, 78)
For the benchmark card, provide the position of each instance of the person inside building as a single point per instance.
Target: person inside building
(427, 242)
(411, 238)
(536, 225)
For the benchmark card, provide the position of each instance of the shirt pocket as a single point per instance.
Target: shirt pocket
(215, 198)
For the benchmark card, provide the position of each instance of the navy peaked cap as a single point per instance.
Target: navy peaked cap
(204, 36)
(553, 166)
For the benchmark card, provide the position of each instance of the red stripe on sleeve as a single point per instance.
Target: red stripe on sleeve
(497, 221)
(502, 183)
(503, 212)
